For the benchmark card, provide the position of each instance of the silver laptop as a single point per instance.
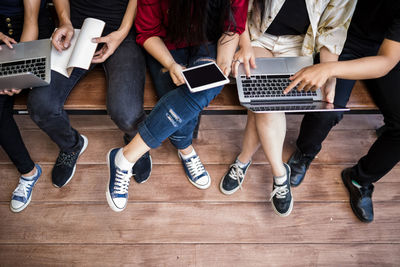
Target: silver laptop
(26, 65)
(263, 90)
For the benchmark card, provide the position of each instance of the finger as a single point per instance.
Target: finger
(7, 42)
(308, 87)
(57, 40)
(227, 70)
(247, 67)
(291, 86)
(16, 91)
(330, 96)
(12, 41)
(100, 40)
(68, 37)
(301, 86)
(235, 68)
(253, 62)
(180, 78)
(8, 92)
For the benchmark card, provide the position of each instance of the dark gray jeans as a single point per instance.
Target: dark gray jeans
(125, 75)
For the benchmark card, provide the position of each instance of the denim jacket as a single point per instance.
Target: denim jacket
(329, 21)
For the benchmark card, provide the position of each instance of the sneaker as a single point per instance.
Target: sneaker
(233, 179)
(281, 196)
(65, 166)
(118, 183)
(360, 197)
(22, 195)
(195, 172)
(142, 168)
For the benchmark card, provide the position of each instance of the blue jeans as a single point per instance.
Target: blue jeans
(125, 75)
(176, 113)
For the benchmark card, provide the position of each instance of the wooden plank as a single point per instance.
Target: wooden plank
(90, 94)
(293, 121)
(197, 223)
(168, 183)
(341, 147)
(202, 255)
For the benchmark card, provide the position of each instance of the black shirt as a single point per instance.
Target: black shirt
(110, 11)
(375, 20)
(292, 19)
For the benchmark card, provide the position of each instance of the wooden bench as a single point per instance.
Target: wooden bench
(89, 97)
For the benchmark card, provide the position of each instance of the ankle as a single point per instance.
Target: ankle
(122, 162)
(30, 174)
(186, 151)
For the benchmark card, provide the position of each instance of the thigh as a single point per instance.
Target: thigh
(386, 94)
(125, 72)
(55, 94)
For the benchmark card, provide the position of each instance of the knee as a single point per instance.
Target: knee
(127, 119)
(328, 118)
(41, 111)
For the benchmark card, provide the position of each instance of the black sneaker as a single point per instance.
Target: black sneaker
(65, 165)
(233, 179)
(142, 168)
(298, 164)
(281, 196)
(360, 197)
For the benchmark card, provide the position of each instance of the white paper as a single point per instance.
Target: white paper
(81, 50)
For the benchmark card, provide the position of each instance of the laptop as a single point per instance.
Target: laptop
(262, 92)
(26, 65)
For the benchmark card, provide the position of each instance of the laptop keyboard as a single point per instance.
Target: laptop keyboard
(285, 108)
(36, 66)
(270, 86)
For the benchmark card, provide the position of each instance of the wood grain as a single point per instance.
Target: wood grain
(202, 255)
(196, 223)
(168, 183)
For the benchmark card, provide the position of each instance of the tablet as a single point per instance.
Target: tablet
(204, 77)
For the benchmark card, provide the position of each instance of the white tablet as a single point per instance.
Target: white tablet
(204, 77)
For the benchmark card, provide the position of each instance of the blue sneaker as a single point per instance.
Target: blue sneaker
(22, 195)
(118, 183)
(195, 172)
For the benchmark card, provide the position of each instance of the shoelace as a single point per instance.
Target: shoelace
(122, 180)
(236, 173)
(23, 187)
(195, 167)
(66, 159)
(279, 191)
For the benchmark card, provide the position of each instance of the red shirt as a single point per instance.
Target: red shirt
(152, 17)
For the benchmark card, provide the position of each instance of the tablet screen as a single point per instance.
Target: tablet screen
(203, 75)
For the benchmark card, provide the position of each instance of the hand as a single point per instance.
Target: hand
(311, 78)
(175, 71)
(61, 38)
(246, 56)
(10, 92)
(111, 43)
(328, 90)
(7, 40)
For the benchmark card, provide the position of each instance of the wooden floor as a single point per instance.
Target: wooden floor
(168, 222)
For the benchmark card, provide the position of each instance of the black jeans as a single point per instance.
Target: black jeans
(125, 75)
(385, 152)
(10, 137)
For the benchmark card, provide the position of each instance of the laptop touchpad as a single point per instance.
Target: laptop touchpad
(270, 66)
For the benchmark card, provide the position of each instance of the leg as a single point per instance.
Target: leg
(10, 137)
(384, 154)
(46, 107)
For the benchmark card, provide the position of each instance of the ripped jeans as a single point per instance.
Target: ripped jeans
(176, 113)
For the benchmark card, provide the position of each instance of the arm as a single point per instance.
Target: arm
(356, 69)
(114, 39)
(61, 38)
(227, 45)
(30, 29)
(156, 47)
(244, 55)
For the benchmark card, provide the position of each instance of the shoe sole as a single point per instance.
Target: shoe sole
(286, 213)
(351, 204)
(108, 194)
(23, 206)
(225, 191)
(85, 144)
(151, 169)
(201, 186)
